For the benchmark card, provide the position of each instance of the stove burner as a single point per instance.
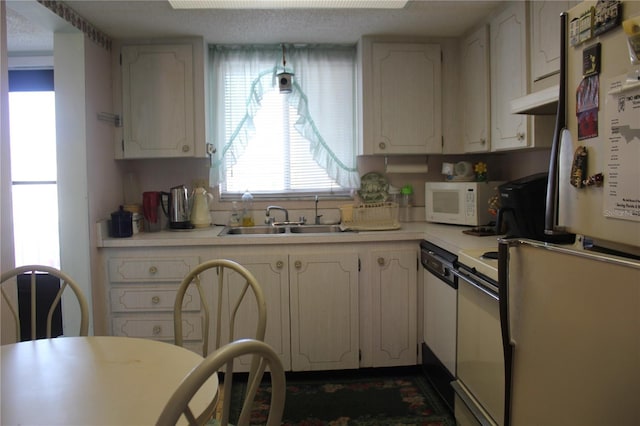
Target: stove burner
(490, 255)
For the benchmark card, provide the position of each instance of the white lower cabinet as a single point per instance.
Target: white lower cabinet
(142, 292)
(312, 304)
(329, 307)
(394, 285)
(389, 304)
(272, 273)
(324, 311)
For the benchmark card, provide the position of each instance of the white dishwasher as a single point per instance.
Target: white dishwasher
(440, 312)
(479, 384)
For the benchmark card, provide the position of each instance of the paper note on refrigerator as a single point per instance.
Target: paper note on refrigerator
(622, 160)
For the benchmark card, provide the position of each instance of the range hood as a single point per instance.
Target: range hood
(543, 102)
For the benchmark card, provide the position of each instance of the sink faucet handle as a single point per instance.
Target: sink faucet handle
(317, 218)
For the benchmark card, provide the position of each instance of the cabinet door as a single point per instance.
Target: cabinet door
(271, 272)
(545, 37)
(158, 105)
(324, 311)
(508, 76)
(395, 288)
(475, 91)
(406, 98)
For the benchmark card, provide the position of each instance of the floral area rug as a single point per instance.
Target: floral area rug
(391, 400)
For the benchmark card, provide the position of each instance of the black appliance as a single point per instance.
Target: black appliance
(522, 209)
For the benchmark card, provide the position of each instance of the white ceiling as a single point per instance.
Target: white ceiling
(29, 32)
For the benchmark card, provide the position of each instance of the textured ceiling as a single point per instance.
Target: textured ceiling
(25, 36)
(141, 19)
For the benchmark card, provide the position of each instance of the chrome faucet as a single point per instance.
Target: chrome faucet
(317, 221)
(286, 213)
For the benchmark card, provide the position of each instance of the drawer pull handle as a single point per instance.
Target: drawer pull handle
(298, 264)
(155, 300)
(279, 264)
(381, 261)
(157, 330)
(382, 145)
(153, 270)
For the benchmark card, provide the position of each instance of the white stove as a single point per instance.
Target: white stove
(482, 260)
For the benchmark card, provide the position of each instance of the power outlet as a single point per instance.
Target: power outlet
(200, 183)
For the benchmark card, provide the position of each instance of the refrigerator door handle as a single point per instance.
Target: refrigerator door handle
(503, 303)
(551, 210)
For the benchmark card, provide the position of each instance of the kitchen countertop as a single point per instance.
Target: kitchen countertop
(474, 258)
(449, 237)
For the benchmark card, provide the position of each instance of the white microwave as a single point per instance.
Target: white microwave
(459, 203)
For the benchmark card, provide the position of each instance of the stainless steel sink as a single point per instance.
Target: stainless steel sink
(275, 230)
(315, 229)
(252, 230)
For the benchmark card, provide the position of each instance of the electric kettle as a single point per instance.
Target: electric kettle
(177, 204)
(200, 217)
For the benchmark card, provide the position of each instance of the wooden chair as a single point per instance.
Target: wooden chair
(178, 404)
(231, 293)
(10, 278)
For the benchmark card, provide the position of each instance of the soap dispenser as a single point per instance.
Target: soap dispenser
(247, 209)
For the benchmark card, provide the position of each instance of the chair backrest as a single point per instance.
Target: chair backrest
(10, 278)
(266, 357)
(231, 291)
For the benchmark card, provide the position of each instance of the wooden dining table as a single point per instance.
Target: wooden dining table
(97, 380)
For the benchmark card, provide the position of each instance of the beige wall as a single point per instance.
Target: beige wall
(89, 179)
(104, 174)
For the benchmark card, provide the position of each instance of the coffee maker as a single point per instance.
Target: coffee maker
(522, 207)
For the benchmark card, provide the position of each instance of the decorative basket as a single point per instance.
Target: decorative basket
(371, 217)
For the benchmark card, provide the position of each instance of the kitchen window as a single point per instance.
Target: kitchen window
(283, 144)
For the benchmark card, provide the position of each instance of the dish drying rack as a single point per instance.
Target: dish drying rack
(370, 217)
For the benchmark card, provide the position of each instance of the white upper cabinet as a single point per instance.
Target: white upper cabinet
(475, 86)
(401, 98)
(545, 37)
(162, 101)
(509, 77)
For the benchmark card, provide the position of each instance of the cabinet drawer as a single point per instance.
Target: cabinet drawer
(160, 298)
(159, 327)
(152, 269)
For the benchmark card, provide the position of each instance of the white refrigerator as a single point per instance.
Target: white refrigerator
(570, 315)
